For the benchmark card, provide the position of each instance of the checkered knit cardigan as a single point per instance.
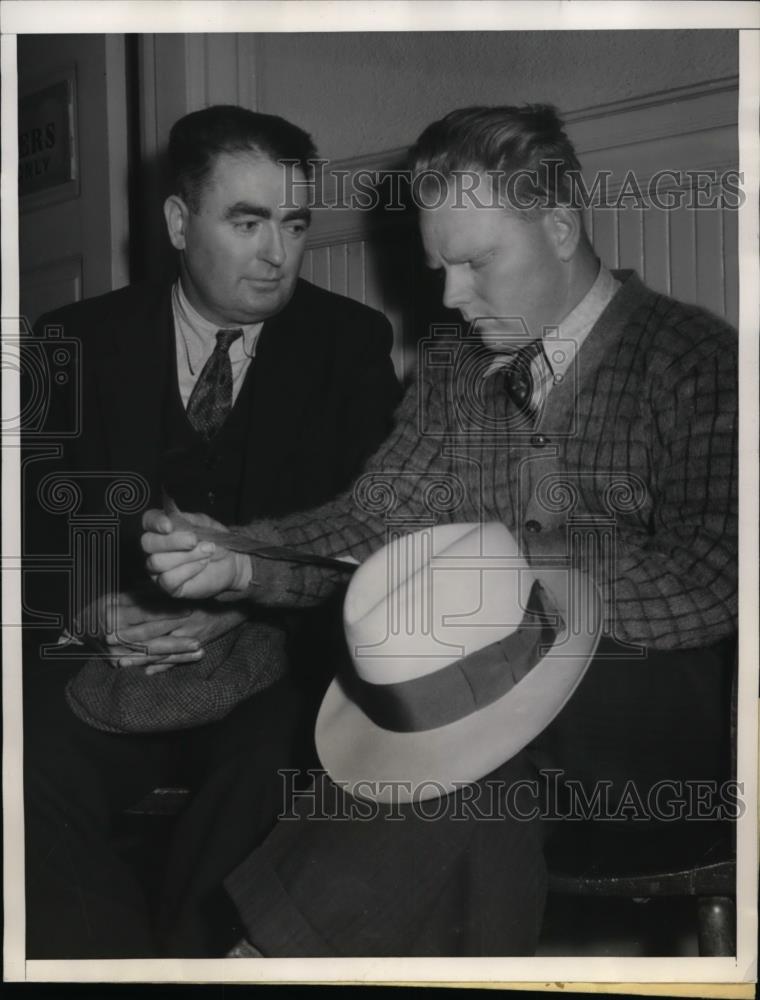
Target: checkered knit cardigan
(629, 470)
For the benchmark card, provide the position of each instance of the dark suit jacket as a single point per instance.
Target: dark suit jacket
(325, 392)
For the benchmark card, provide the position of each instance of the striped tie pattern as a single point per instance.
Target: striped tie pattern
(520, 380)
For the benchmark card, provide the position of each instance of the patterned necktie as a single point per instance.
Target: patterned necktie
(211, 399)
(520, 382)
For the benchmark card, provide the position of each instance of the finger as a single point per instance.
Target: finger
(145, 631)
(168, 645)
(172, 661)
(157, 668)
(199, 520)
(149, 662)
(175, 581)
(188, 631)
(177, 541)
(159, 650)
(156, 520)
(162, 562)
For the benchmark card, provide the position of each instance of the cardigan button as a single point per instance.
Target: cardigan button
(533, 527)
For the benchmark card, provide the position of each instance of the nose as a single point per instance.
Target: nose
(455, 291)
(272, 248)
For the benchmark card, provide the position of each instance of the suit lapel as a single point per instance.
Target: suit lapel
(286, 373)
(288, 366)
(137, 361)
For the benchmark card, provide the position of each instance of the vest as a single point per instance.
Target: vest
(207, 476)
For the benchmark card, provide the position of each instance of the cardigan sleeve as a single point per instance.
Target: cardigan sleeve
(397, 480)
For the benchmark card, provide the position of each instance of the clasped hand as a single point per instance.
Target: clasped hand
(183, 566)
(140, 629)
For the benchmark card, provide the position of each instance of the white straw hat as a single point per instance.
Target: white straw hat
(462, 655)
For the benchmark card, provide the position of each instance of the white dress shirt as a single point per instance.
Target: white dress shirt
(195, 340)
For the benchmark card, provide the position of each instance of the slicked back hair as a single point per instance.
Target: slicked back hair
(527, 143)
(197, 139)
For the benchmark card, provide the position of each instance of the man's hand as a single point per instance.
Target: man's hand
(185, 568)
(203, 626)
(139, 632)
(126, 620)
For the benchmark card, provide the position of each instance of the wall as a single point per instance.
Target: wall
(401, 81)
(633, 100)
(77, 247)
(366, 93)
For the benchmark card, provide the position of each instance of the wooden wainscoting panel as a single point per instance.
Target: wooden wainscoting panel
(631, 240)
(605, 235)
(683, 256)
(731, 262)
(657, 271)
(356, 260)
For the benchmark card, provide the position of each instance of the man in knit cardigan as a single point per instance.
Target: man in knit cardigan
(598, 410)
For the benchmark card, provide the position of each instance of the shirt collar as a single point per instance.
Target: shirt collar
(575, 327)
(200, 334)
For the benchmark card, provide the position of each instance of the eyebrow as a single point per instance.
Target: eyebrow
(248, 208)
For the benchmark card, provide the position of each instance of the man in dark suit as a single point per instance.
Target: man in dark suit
(241, 391)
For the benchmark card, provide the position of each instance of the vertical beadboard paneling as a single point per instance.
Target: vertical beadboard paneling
(710, 262)
(355, 258)
(657, 270)
(374, 258)
(307, 270)
(683, 257)
(604, 235)
(731, 258)
(630, 239)
(339, 268)
(321, 267)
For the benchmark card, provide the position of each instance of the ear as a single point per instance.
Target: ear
(176, 214)
(565, 228)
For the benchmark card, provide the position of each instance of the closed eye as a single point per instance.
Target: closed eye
(479, 262)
